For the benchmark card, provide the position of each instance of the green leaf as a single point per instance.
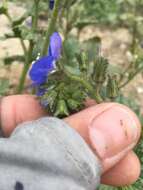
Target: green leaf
(73, 104)
(10, 59)
(81, 24)
(72, 70)
(3, 10)
(20, 20)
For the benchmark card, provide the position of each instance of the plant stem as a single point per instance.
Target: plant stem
(97, 92)
(51, 27)
(25, 68)
(131, 78)
(28, 59)
(134, 31)
(9, 17)
(133, 44)
(35, 16)
(21, 40)
(23, 46)
(92, 92)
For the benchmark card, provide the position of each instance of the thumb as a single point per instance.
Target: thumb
(110, 129)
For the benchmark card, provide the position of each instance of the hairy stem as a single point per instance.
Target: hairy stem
(23, 46)
(97, 92)
(51, 27)
(25, 68)
(28, 59)
(131, 78)
(133, 44)
(134, 31)
(21, 40)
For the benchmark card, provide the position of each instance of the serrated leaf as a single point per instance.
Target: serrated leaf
(73, 70)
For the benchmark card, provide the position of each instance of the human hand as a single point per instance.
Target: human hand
(115, 127)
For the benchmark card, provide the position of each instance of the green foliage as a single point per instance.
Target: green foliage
(81, 77)
(63, 97)
(4, 84)
(3, 10)
(9, 60)
(82, 71)
(102, 10)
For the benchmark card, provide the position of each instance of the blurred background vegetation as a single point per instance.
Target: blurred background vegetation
(117, 23)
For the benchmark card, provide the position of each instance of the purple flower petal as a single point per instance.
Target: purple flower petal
(55, 46)
(40, 69)
(40, 91)
(45, 65)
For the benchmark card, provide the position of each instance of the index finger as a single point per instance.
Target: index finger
(17, 109)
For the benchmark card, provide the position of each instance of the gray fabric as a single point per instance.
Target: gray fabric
(47, 154)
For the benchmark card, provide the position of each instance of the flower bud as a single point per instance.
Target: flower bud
(100, 70)
(73, 105)
(51, 4)
(61, 109)
(82, 60)
(112, 87)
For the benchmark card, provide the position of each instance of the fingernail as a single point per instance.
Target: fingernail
(113, 131)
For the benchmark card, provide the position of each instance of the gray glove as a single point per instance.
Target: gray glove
(47, 154)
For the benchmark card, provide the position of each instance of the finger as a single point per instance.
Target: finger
(126, 172)
(17, 109)
(110, 129)
(34, 106)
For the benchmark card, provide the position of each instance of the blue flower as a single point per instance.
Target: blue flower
(40, 91)
(51, 4)
(40, 69)
(45, 65)
(55, 46)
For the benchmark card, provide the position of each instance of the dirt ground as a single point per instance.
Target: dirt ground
(114, 47)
